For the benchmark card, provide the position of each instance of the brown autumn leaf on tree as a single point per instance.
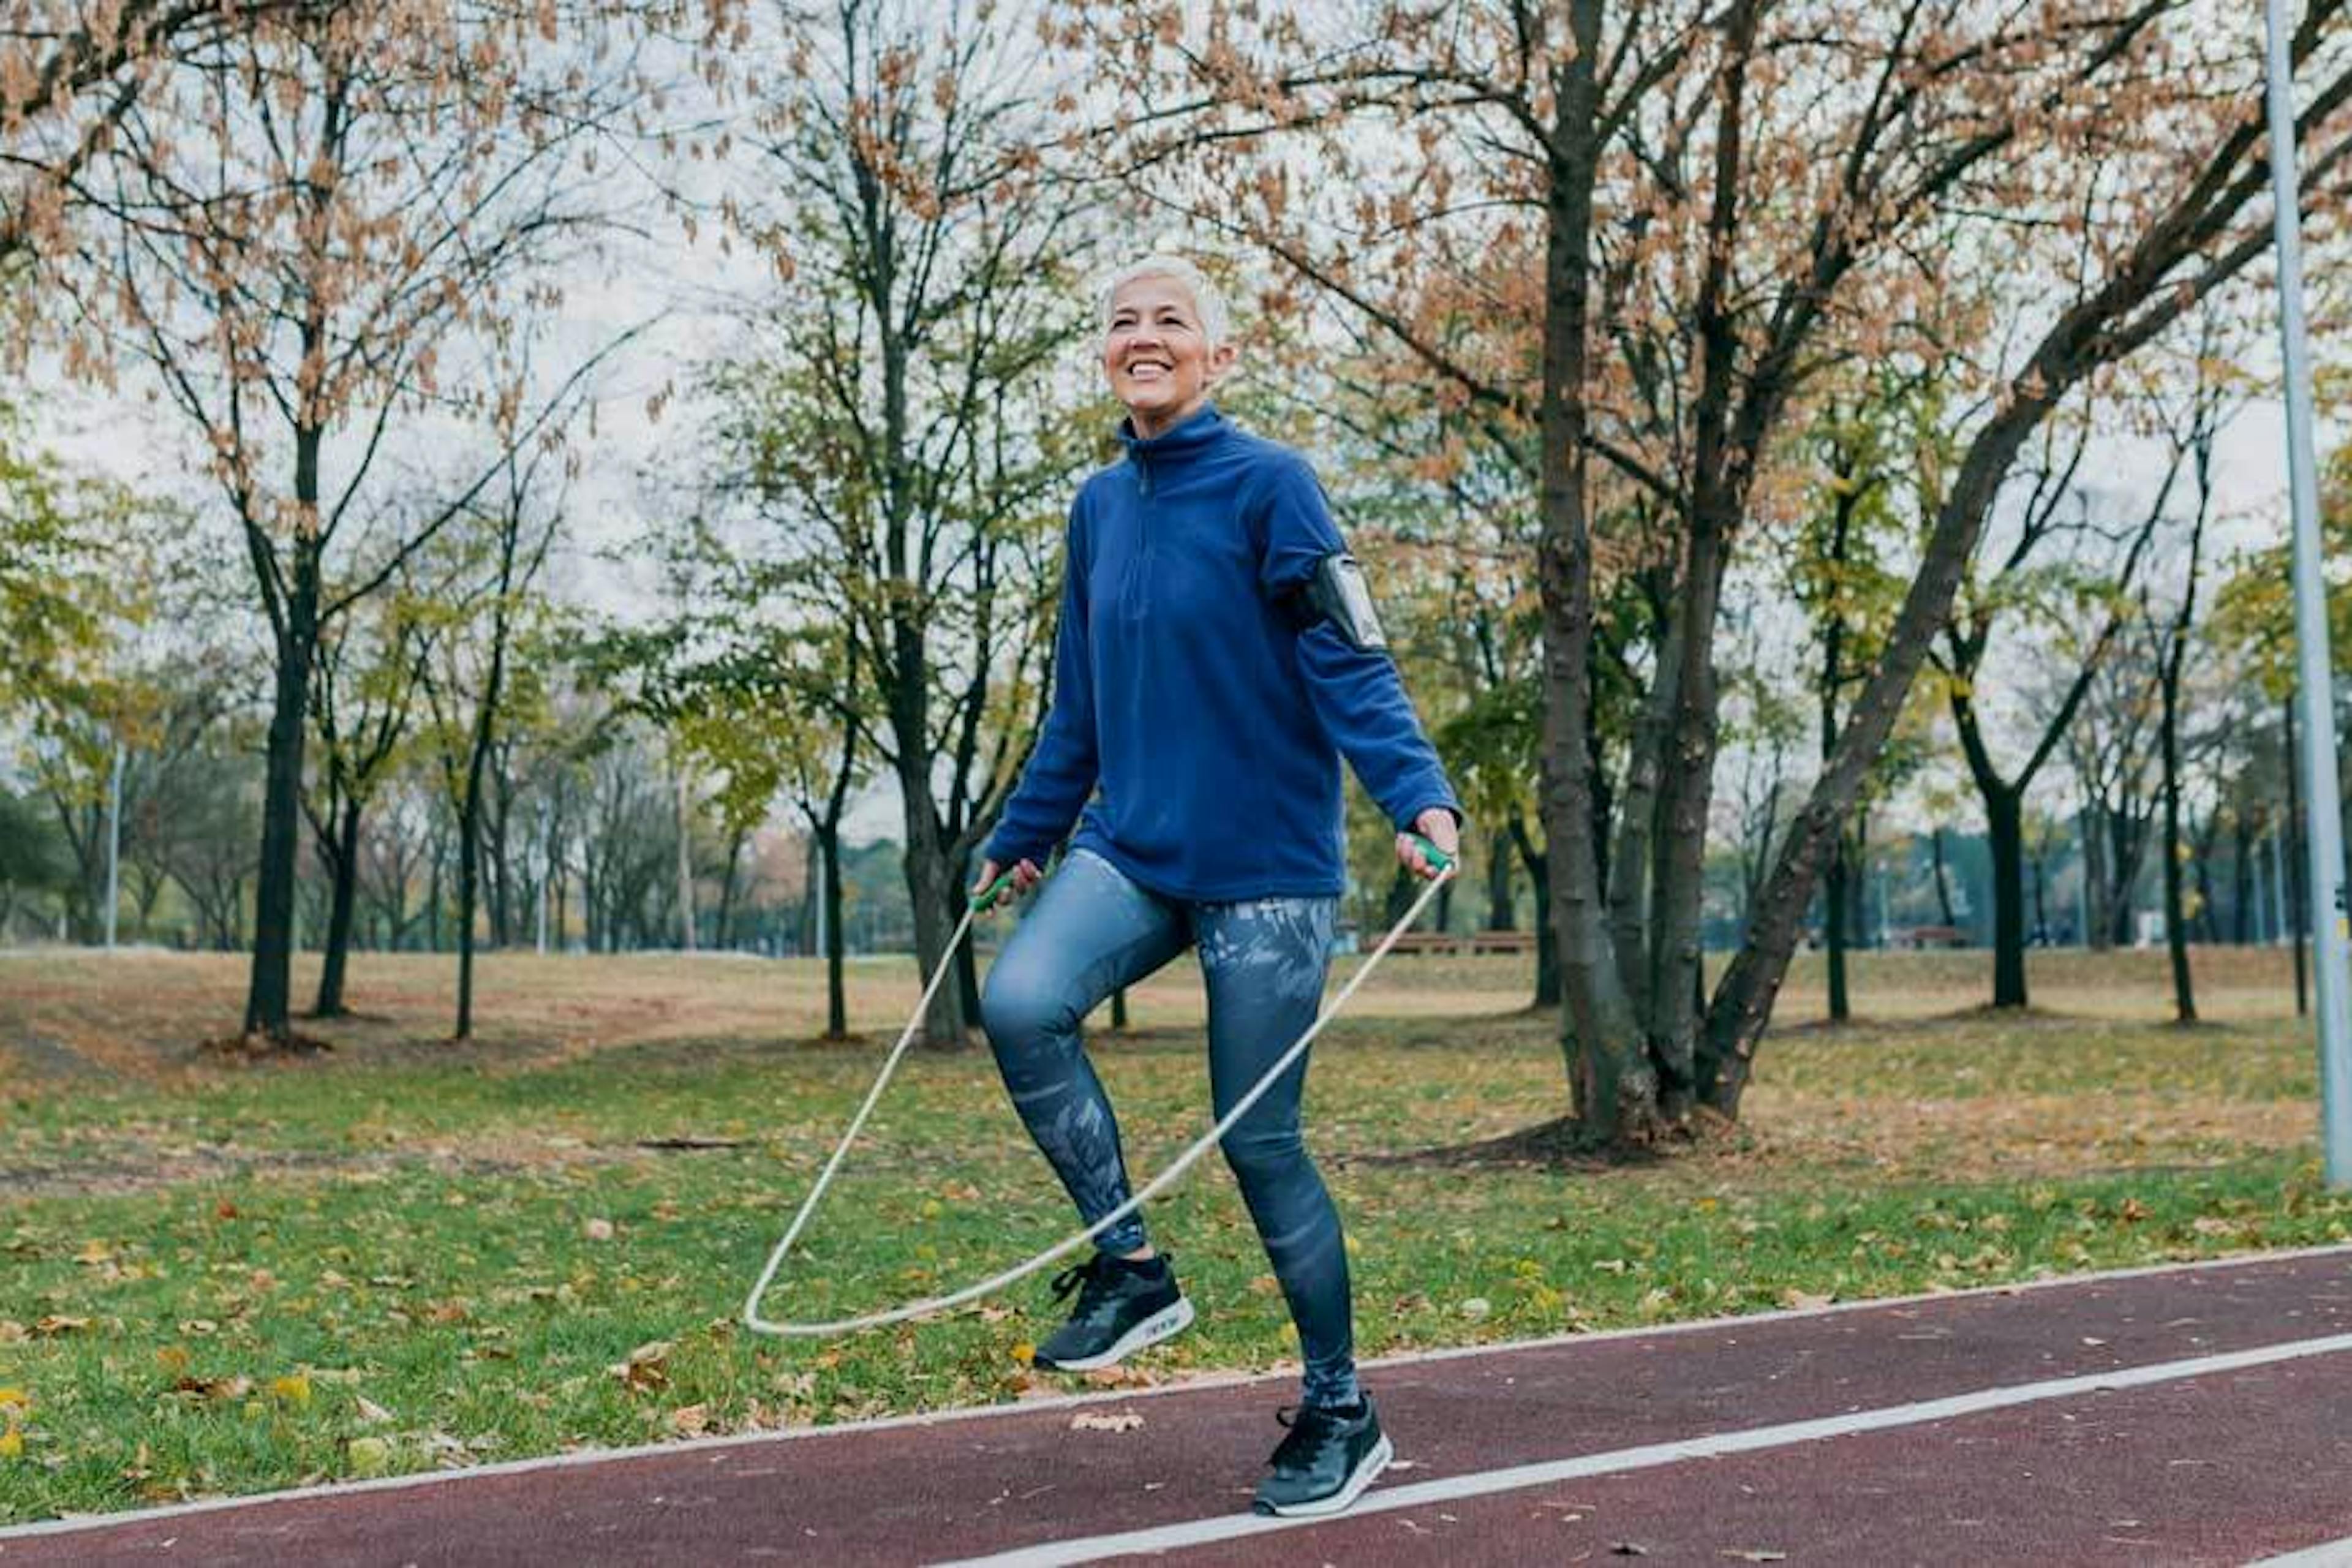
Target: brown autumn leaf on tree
(317, 225)
(1635, 244)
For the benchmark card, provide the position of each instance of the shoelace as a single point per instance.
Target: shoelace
(1308, 1424)
(1094, 1275)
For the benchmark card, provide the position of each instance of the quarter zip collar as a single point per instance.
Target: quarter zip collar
(1171, 449)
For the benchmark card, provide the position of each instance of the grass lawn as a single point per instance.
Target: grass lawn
(404, 1254)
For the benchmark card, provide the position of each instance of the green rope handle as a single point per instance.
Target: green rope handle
(987, 896)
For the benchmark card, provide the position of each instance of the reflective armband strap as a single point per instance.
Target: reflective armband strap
(1337, 593)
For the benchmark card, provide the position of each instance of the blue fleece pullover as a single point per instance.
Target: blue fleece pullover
(1186, 690)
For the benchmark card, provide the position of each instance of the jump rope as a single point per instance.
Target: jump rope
(982, 899)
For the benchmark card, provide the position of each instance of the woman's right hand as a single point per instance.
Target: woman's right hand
(1025, 875)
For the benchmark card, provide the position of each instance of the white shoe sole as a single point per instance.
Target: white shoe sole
(1339, 1502)
(1163, 1324)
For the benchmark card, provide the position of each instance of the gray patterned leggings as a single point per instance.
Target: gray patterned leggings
(1093, 931)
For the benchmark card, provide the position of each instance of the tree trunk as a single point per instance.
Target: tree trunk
(685, 866)
(1632, 855)
(346, 869)
(1943, 882)
(1742, 1001)
(1499, 913)
(837, 940)
(726, 889)
(2126, 843)
(931, 885)
(2097, 926)
(1836, 903)
(1548, 989)
(440, 852)
(2175, 924)
(966, 978)
(2241, 850)
(561, 885)
(499, 827)
(468, 871)
(1400, 896)
(2207, 924)
(2040, 933)
(269, 1005)
(2005, 838)
(1611, 1088)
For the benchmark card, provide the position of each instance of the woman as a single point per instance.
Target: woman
(1216, 657)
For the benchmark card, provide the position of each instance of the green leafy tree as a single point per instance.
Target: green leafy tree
(905, 435)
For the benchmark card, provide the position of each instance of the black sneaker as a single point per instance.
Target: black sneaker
(1329, 1457)
(1122, 1309)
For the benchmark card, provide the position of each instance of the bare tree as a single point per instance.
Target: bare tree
(1821, 175)
(308, 221)
(908, 433)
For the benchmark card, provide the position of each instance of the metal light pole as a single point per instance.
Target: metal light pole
(2313, 670)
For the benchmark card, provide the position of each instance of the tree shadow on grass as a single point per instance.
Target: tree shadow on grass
(1558, 1144)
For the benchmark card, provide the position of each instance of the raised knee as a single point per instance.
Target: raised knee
(1016, 1010)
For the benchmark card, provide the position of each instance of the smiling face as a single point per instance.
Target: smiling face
(1156, 353)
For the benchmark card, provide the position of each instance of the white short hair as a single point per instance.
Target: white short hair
(1216, 321)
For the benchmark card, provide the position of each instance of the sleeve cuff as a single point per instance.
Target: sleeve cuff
(1405, 823)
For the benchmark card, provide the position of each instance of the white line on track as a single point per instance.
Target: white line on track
(2327, 1555)
(1215, 1380)
(1229, 1527)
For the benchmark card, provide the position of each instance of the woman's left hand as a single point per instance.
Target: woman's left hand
(1437, 826)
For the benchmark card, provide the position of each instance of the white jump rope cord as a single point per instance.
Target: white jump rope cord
(757, 1324)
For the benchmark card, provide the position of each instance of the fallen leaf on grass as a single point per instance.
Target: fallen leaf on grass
(372, 1413)
(598, 1229)
(646, 1368)
(1088, 1421)
(292, 1389)
(12, 1332)
(221, 1388)
(689, 1420)
(16, 1399)
(12, 1443)
(1805, 1300)
(53, 1325)
(369, 1455)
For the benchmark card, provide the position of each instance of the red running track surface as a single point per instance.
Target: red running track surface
(2218, 1466)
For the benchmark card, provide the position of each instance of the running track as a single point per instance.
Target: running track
(2193, 1415)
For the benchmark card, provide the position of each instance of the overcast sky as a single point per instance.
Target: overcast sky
(636, 469)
